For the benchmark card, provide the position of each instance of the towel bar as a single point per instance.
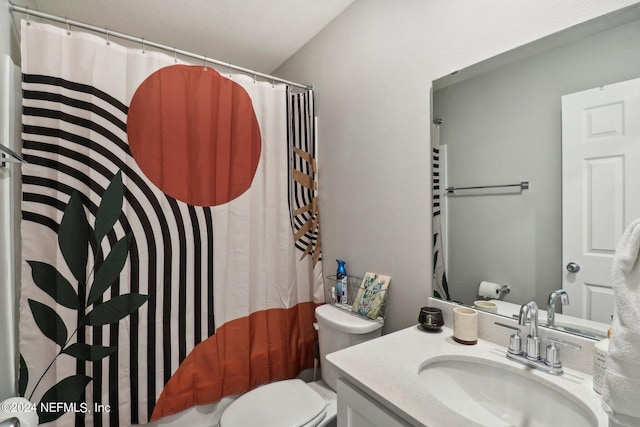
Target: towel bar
(524, 185)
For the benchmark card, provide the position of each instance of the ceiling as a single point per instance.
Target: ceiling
(256, 34)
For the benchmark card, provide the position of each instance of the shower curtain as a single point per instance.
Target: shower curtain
(170, 238)
(440, 287)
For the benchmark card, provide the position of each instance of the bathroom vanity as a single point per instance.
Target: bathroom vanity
(408, 378)
(357, 408)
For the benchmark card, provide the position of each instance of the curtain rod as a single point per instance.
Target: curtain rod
(68, 22)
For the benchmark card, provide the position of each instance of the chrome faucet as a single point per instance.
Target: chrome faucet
(551, 305)
(533, 341)
(531, 355)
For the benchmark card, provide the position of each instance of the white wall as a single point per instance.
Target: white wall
(372, 68)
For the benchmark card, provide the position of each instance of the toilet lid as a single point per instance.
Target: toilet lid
(290, 403)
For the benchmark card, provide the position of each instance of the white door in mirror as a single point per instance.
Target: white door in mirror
(600, 182)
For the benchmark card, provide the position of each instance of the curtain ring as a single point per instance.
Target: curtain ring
(66, 21)
(205, 63)
(106, 30)
(254, 78)
(175, 56)
(229, 65)
(28, 18)
(143, 51)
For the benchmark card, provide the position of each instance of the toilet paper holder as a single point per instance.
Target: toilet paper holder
(505, 289)
(492, 290)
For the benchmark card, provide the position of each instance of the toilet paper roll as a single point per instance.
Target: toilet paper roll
(489, 290)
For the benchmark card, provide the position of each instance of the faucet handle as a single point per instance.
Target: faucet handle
(553, 352)
(515, 341)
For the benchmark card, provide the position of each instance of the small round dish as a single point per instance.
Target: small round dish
(431, 319)
(485, 306)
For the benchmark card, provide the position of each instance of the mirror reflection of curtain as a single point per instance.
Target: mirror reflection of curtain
(203, 281)
(440, 287)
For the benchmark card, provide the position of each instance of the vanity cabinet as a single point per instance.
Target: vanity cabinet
(356, 409)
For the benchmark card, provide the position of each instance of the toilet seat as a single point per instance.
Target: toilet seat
(290, 403)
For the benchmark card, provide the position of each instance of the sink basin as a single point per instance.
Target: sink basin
(493, 395)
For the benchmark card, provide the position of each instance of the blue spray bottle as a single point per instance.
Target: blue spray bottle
(341, 276)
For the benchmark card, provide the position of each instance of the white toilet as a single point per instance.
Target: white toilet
(296, 403)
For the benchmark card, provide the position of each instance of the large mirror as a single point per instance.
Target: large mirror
(500, 122)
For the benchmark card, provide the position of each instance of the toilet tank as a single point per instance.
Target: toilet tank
(338, 329)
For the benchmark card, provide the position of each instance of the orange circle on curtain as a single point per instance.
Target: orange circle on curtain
(194, 134)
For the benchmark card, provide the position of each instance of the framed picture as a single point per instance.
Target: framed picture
(371, 295)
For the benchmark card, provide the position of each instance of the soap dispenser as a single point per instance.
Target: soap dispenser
(341, 277)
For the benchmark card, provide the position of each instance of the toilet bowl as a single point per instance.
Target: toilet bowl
(294, 402)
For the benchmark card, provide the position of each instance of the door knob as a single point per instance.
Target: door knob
(573, 267)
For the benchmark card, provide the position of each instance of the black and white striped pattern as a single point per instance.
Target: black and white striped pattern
(303, 182)
(74, 138)
(435, 165)
(440, 287)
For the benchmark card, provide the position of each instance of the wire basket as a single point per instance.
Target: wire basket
(370, 305)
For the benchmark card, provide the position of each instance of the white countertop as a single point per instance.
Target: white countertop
(387, 369)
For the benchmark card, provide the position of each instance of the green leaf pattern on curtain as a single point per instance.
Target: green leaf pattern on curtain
(110, 208)
(110, 269)
(23, 377)
(74, 236)
(114, 310)
(88, 352)
(68, 390)
(49, 322)
(47, 278)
